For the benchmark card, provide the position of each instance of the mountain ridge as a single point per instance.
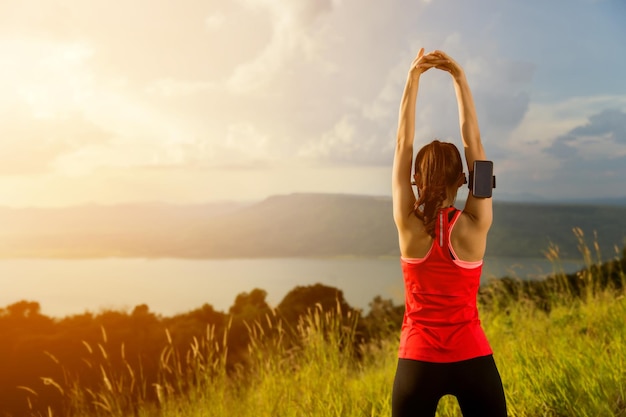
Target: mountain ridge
(288, 225)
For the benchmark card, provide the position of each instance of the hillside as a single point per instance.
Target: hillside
(297, 225)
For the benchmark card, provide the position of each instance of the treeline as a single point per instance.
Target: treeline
(43, 360)
(544, 294)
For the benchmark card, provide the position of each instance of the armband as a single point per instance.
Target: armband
(481, 179)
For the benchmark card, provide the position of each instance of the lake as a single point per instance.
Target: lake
(171, 286)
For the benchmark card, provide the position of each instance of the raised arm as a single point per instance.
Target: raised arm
(479, 209)
(401, 189)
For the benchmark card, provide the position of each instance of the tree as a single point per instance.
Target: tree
(249, 310)
(383, 318)
(302, 299)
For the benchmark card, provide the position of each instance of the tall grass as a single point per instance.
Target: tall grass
(565, 360)
(569, 362)
(324, 374)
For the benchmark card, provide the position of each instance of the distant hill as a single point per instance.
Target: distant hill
(296, 225)
(607, 201)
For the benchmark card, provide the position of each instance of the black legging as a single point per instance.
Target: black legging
(475, 383)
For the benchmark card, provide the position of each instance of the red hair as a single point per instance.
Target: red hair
(438, 167)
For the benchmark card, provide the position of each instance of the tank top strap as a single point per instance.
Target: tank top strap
(442, 225)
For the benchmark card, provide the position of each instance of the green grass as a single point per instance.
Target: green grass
(568, 360)
(319, 376)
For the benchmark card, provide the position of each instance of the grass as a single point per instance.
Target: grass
(318, 376)
(568, 360)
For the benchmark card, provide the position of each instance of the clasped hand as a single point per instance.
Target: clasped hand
(435, 59)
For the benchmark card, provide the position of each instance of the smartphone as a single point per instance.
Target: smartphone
(483, 181)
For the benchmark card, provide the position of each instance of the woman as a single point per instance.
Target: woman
(443, 349)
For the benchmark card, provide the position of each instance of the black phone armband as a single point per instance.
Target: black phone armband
(481, 179)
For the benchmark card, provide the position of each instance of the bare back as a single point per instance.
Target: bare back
(468, 241)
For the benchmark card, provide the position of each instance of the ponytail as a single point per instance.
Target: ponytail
(438, 166)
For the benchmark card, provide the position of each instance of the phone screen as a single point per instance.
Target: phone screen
(482, 182)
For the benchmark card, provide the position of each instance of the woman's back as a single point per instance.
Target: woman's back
(468, 241)
(441, 318)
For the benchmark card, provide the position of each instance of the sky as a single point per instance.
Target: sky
(187, 102)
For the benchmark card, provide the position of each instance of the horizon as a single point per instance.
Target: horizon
(507, 198)
(186, 106)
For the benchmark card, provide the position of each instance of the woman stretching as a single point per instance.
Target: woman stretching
(443, 349)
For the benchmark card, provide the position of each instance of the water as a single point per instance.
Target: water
(172, 286)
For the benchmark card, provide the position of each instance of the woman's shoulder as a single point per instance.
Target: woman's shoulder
(414, 240)
(468, 241)
(463, 222)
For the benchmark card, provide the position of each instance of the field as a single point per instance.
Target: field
(570, 362)
(560, 353)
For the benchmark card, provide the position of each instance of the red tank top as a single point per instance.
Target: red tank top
(441, 321)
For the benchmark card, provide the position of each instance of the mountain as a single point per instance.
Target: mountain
(296, 225)
(605, 201)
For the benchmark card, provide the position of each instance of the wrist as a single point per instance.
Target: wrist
(459, 76)
(412, 81)
(413, 76)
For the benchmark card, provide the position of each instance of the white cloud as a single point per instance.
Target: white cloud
(244, 145)
(568, 148)
(57, 114)
(384, 106)
(600, 146)
(31, 145)
(602, 137)
(336, 144)
(545, 121)
(290, 22)
(89, 87)
(51, 77)
(500, 89)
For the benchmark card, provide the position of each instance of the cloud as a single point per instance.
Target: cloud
(189, 87)
(588, 160)
(32, 145)
(501, 89)
(364, 132)
(142, 41)
(290, 23)
(611, 122)
(339, 144)
(243, 147)
(559, 150)
(50, 76)
(602, 137)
